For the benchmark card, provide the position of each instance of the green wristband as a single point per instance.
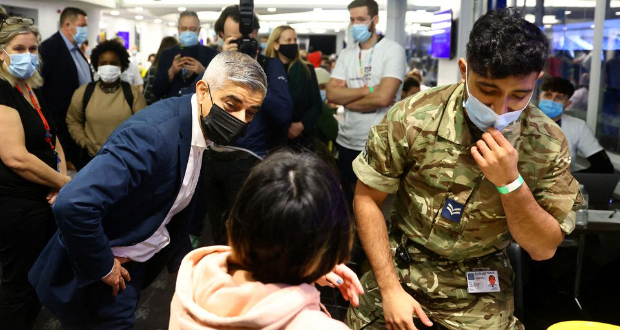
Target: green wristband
(371, 90)
(514, 185)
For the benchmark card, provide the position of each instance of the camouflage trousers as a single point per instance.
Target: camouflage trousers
(440, 286)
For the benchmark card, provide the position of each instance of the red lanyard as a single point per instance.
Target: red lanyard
(48, 135)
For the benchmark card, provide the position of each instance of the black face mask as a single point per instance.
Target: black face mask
(221, 127)
(289, 51)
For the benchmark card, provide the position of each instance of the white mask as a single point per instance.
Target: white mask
(484, 117)
(109, 73)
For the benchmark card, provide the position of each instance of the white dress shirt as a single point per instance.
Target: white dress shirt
(145, 250)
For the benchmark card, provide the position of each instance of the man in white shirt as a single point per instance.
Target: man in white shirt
(366, 78)
(127, 213)
(555, 97)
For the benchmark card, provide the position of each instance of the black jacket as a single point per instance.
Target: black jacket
(163, 87)
(60, 80)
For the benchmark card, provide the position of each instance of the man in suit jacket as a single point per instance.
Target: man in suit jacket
(180, 65)
(126, 214)
(64, 69)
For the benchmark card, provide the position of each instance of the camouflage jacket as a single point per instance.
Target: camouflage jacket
(421, 151)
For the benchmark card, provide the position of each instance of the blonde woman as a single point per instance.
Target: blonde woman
(302, 83)
(32, 170)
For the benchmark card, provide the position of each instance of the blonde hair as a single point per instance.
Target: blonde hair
(272, 52)
(7, 34)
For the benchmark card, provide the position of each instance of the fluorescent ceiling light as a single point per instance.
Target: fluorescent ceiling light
(139, 8)
(271, 9)
(336, 30)
(171, 24)
(139, 17)
(548, 26)
(567, 12)
(618, 13)
(114, 12)
(157, 20)
(182, 9)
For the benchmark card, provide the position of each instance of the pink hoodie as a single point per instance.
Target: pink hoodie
(207, 297)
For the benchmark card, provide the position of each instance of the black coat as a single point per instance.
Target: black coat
(163, 87)
(60, 80)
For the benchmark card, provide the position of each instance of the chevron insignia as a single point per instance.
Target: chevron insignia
(452, 210)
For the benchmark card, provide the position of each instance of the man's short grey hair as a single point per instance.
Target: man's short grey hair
(191, 14)
(238, 68)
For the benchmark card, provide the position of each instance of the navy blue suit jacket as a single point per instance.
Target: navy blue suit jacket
(119, 199)
(163, 87)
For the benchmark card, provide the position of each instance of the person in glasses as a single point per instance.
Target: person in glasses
(32, 170)
(66, 69)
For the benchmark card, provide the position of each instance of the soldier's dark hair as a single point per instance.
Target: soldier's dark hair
(409, 83)
(290, 222)
(558, 85)
(232, 12)
(503, 44)
(373, 8)
(70, 13)
(189, 13)
(110, 46)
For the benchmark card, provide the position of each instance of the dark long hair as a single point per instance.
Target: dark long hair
(166, 42)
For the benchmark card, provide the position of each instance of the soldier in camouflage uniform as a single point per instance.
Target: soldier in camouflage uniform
(449, 217)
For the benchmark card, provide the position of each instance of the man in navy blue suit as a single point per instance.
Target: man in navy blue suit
(180, 65)
(126, 214)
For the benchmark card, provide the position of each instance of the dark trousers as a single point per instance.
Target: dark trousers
(222, 178)
(347, 176)
(25, 227)
(110, 312)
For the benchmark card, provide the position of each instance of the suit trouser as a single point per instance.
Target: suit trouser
(221, 181)
(110, 312)
(25, 227)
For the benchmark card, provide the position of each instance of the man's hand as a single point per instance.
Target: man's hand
(230, 44)
(399, 308)
(295, 130)
(177, 63)
(496, 157)
(343, 278)
(116, 279)
(193, 65)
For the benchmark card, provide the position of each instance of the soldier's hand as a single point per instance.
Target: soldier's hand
(496, 157)
(399, 308)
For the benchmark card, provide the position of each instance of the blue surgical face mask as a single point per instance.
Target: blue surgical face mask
(263, 45)
(361, 32)
(23, 65)
(484, 117)
(81, 34)
(323, 95)
(188, 38)
(551, 109)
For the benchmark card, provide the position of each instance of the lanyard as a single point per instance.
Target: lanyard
(369, 62)
(48, 135)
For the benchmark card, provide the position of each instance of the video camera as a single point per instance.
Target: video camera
(246, 44)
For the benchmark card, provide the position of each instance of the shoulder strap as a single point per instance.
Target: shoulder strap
(90, 88)
(128, 94)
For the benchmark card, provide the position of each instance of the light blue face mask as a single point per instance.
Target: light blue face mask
(81, 34)
(188, 38)
(23, 65)
(361, 32)
(484, 117)
(551, 108)
(323, 95)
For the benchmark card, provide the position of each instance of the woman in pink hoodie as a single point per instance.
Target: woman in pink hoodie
(289, 228)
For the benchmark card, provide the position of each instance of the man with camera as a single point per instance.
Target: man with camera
(225, 170)
(180, 65)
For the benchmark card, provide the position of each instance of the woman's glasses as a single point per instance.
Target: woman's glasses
(16, 20)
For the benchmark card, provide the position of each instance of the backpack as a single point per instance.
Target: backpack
(90, 88)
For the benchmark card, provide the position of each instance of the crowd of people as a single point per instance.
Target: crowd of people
(251, 142)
